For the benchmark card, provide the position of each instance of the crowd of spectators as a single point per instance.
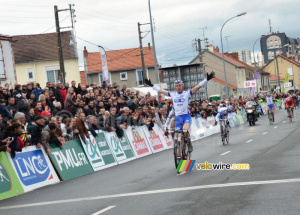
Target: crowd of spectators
(31, 115)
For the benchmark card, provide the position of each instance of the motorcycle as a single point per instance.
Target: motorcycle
(250, 110)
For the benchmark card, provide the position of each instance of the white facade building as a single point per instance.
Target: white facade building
(7, 63)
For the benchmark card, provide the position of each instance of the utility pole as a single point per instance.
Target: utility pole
(62, 73)
(144, 75)
(199, 50)
(278, 73)
(60, 51)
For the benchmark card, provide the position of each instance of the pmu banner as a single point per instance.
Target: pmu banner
(121, 148)
(33, 168)
(71, 161)
(98, 152)
(9, 181)
(138, 141)
(104, 64)
(154, 140)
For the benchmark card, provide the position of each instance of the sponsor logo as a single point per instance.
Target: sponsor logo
(32, 167)
(69, 159)
(156, 143)
(181, 100)
(5, 182)
(140, 147)
(115, 144)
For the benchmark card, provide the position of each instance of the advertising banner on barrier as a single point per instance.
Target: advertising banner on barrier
(138, 140)
(167, 141)
(197, 131)
(98, 152)
(34, 168)
(70, 162)
(9, 181)
(153, 139)
(122, 150)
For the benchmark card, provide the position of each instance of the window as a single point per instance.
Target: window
(30, 74)
(139, 77)
(52, 73)
(123, 76)
(2, 73)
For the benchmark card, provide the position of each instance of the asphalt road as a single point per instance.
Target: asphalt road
(150, 185)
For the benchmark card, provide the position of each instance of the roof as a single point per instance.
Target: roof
(223, 83)
(42, 47)
(274, 77)
(122, 59)
(185, 65)
(5, 37)
(292, 61)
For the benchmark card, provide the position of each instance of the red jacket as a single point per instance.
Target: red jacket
(290, 104)
(63, 94)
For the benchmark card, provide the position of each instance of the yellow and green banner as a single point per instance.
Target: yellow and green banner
(9, 182)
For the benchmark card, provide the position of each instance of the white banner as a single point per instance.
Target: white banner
(105, 76)
(138, 141)
(33, 168)
(248, 84)
(167, 141)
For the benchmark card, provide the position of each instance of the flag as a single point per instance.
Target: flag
(105, 76)
(252, 90)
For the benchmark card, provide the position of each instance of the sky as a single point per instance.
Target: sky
(113, 23)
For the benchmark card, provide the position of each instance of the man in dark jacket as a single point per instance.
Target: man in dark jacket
(90, 109)
(4, 111)
(70, 104)
(35, 129)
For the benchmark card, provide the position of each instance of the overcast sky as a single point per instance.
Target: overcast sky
(113, 23)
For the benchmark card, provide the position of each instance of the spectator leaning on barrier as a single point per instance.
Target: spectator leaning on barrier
(81, 127)
(12, 132)
(35, 130)
(91, 125)
(49, 137)
(24, 131)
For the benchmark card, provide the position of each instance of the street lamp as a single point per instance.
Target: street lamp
(154, 51)
(226, 89)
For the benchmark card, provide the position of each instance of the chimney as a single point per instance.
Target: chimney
(149, 47)
(85, 52)
(216, 49)
(293, 58)
(233, 55)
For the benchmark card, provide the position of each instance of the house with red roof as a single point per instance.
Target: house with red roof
(124, 65)
(280, 66)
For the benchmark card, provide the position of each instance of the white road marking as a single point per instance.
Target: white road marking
(182, 189)
(225, 153)
(249, 141)
(104, 210)
(265, 133)
(284, 122)
(181, 173)
(275, 126)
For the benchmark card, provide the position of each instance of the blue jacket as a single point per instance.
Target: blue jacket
(5, 113)
(37, 93)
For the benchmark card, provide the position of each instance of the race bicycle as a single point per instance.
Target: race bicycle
(180, 150)
(289, 111)
(270, 117)
(224, 130)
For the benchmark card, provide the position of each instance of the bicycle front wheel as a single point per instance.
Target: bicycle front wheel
(227, 135)
(177, 158)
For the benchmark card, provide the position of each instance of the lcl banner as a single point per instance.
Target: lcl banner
(33, 168)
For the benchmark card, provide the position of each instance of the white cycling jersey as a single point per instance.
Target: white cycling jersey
(223, 110)
(269, 100)
(181, 101)
(170, 117)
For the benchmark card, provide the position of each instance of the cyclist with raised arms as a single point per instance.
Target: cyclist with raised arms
(269, 100)
(181, 100)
